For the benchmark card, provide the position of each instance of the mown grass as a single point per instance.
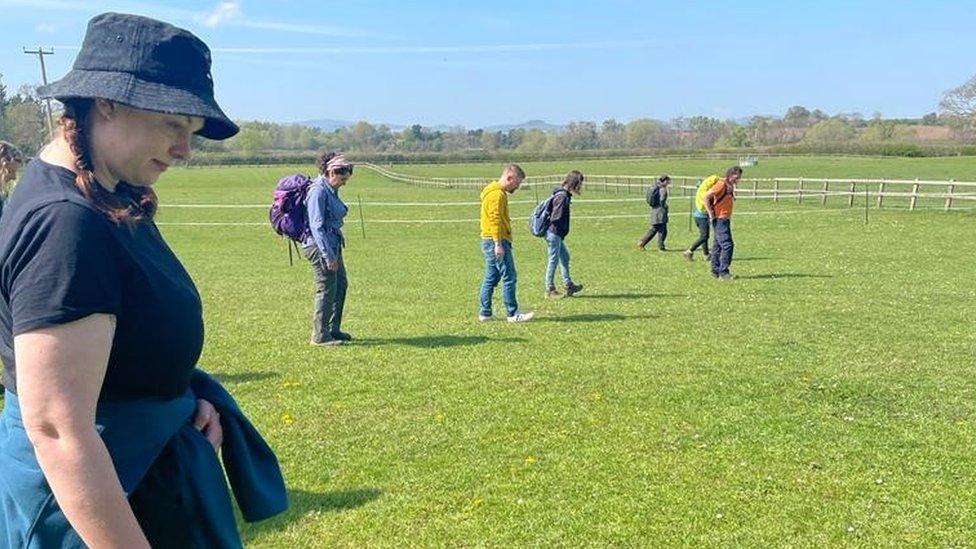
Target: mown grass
(825, 397)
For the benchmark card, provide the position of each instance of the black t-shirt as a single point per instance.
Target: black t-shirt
(61, 259)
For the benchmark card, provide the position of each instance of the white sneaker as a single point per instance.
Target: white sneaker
(521, 317)
(484, 318)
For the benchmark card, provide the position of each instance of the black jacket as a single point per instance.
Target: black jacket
(559, 218)
(659, 213)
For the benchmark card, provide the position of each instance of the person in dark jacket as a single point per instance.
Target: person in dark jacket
(562, 199)
(657, 199)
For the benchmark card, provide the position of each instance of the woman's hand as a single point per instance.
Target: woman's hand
(207, 421)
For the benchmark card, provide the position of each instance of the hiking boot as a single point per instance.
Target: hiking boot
(485, 318)
(553, 293)
(328, 343)
(573, 289)
(640, 247)
(689, 255)
(342, 336)
(727, 277)
(521, 317)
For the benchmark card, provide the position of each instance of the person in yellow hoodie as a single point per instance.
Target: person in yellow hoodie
(700, 215)
(496, 243)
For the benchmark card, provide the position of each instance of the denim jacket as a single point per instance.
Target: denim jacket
(326, 212)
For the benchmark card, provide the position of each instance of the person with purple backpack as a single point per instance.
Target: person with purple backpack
(323, 244)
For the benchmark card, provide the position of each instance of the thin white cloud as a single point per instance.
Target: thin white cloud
(45, 28)
(495, 48)
(45, 5)
(323, 30)
(223, 12)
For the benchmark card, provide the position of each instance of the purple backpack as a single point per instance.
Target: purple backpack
(288, 215)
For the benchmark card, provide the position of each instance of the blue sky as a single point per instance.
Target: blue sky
(484, 63)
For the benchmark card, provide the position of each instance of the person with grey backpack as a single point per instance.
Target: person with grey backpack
(657, 199)
(558, 230)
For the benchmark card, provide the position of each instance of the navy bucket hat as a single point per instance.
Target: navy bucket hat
(147, 64)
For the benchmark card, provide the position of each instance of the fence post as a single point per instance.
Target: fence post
(911, 205)
(823, 202)
(755, 183)
(866, 199)
(776, 190)
(950, 190)
(881, 187)
(850, 198)
(362, 220)
(799, 193)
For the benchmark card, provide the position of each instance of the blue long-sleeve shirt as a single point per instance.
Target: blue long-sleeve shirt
(326, 214)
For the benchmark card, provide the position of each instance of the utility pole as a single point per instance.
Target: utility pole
(40, 53)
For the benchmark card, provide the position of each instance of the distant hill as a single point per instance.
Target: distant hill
(530, 125)
(331, 125)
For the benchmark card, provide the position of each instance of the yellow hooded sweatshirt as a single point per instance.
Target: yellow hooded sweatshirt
(495, 223)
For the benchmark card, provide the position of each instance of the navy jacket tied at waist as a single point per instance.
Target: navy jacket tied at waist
(135, 433)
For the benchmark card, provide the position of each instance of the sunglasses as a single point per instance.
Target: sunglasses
(343, 171)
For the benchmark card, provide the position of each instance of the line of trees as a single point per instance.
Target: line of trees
(22, 122)
(798, 126)
(22, 118)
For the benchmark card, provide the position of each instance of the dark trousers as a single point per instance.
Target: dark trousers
(722, 251)
(330, 295)
(659, 229)
(703, 230)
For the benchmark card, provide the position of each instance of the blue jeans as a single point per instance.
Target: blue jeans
(496, 271)
(722, 251)
(558, 253)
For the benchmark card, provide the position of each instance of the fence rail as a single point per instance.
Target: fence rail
(773, 188)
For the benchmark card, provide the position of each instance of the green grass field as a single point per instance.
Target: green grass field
(825, 397)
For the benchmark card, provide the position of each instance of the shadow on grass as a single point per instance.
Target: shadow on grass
(774, 276)
(435, 341)
(245, 377)
(302, 503)
(593, 317)
(624, 296)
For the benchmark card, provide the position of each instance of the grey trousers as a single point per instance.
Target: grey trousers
(330, 295)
